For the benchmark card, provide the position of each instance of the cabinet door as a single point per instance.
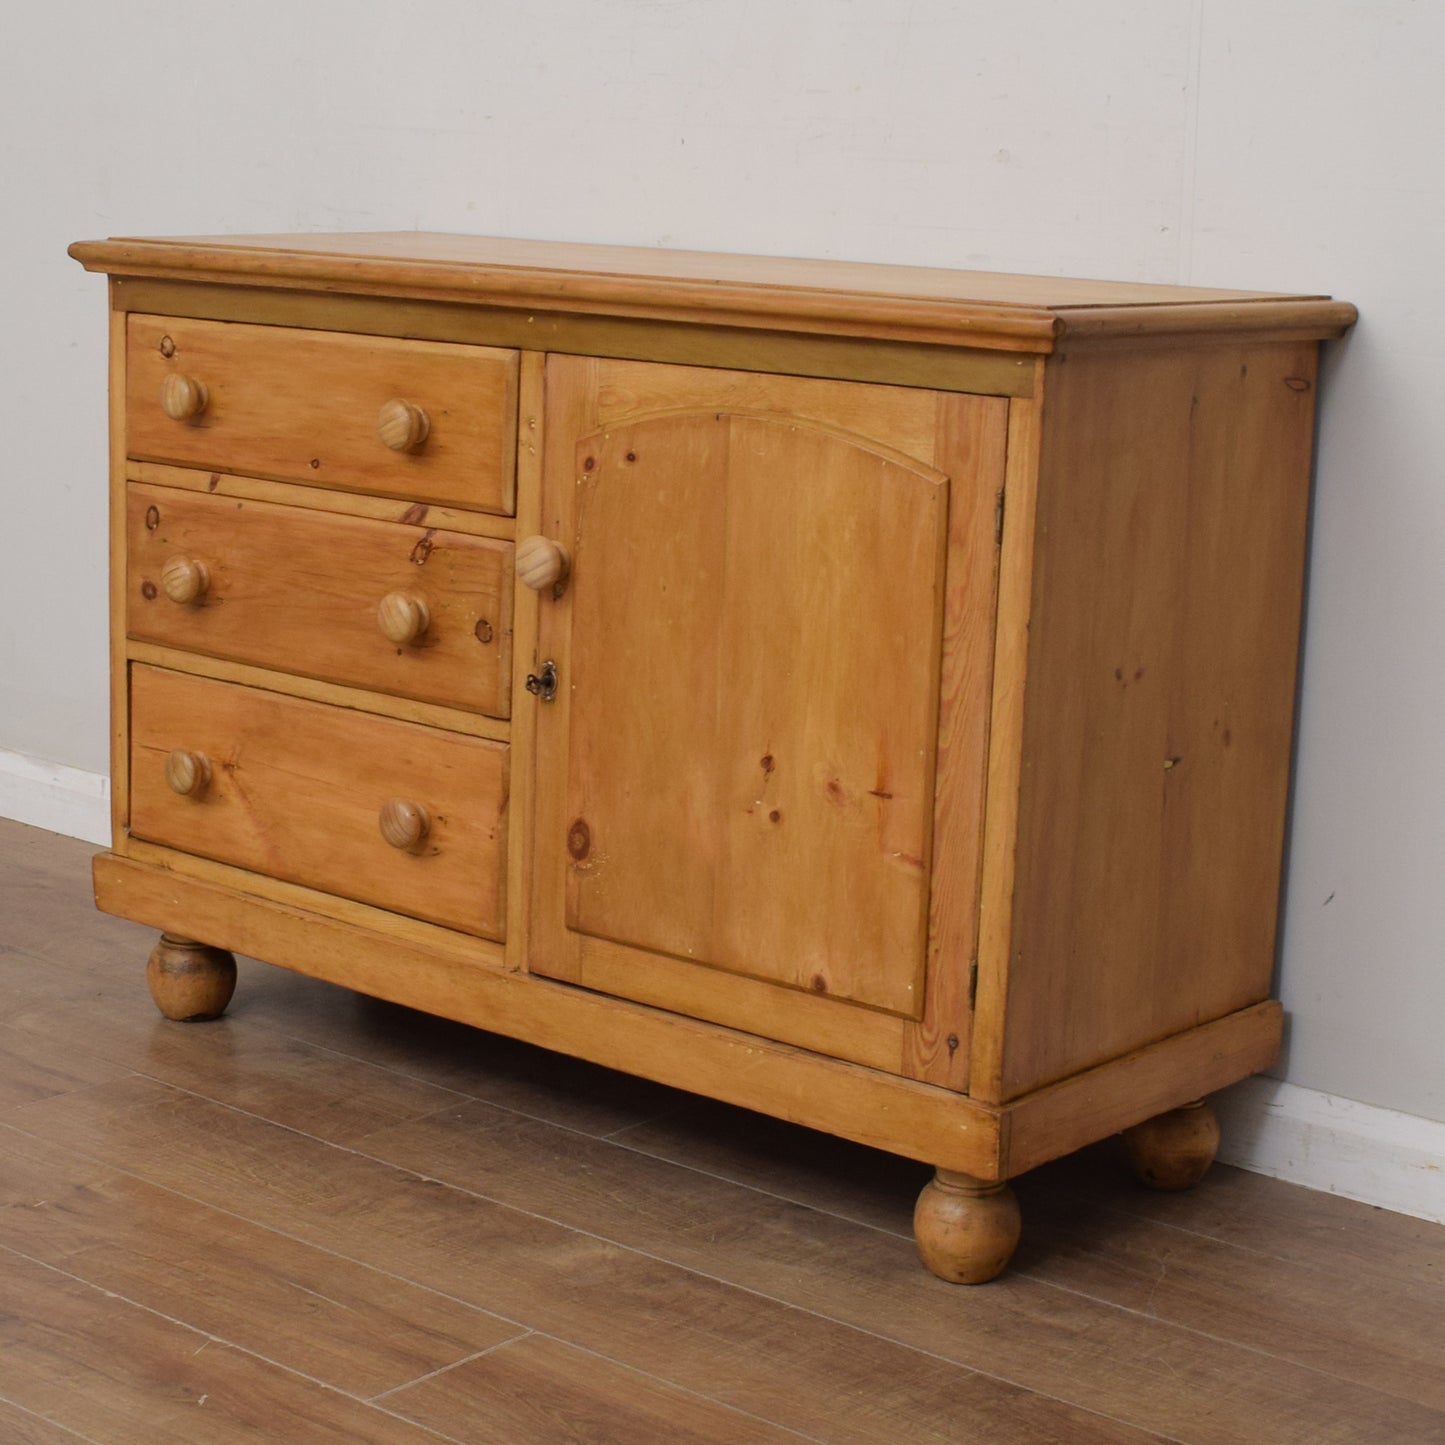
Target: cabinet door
(760, 782)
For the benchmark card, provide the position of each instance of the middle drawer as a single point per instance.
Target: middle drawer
(401, 609)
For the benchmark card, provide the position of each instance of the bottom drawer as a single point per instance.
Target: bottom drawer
(391, 813)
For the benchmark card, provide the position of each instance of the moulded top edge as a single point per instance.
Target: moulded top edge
(1026, 312)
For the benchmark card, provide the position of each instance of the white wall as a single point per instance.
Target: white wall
(1291, 144)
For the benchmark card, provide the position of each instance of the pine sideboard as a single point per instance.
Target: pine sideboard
(861, 694)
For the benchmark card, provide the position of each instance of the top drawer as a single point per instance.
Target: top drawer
(325, 408)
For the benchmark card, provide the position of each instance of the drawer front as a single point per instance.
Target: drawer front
(311, 406)
(301, 791)
(309, 592)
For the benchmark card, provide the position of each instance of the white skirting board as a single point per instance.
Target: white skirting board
(1344, 1147)
(1300, 1135)
(55, 797)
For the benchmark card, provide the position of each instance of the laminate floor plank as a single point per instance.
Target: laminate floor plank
(360, 1330)
(787, 1366)
(104, 1367)
(809, 1168)
(286, 1080)
(502, 1071)
(1256, 1215)
(23, 1427)
(1091, 1229)
(1268, 1216)
(22, 980)
(83, 970)
(1107, 1354)
(65, 861)
(34, 1068)
(1344, 1326)
(103, 999)
(46, 907)
(539, 1391)
(325, 1199)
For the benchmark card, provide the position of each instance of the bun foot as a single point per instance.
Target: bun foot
(966, 1229)
(190, 981)
(1174, 1150)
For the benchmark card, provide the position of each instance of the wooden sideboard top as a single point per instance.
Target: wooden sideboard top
(972, 308)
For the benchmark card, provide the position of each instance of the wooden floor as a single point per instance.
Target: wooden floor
(328, 1219)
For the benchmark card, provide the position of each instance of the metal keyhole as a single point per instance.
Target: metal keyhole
(544, 685)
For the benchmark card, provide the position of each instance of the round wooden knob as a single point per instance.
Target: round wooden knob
(183, 397)
(188, 774)
(403, 617)
(403, 824)
(402, 425)
(541, 563)
(184, 579)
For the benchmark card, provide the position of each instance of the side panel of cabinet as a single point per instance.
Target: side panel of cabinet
(1162, 645)
(773, 644)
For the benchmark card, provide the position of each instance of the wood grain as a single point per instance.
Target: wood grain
(799, 661)
(906, 743)
(913, 1119)
(297, 788)
(119, 1373)
(358, 699)
(48, 909)
(33, 1069)
(903, 418)
(1005, 748)
(1322, 1317)
(789, 294)
(971, 446)
(356, 1328)
(1385, 1338)
(971, 369)
(1136, 1086)
(1322, 1233)
(738, 1346)
(395, 929)
(300, 591)
(348, 504)
(1162, 645)
(425, 1048)
(23, 1427)
(1150, 1371)
(1242, 1258)
(750, 742)
(831, 1026)
(119, 737)
(302, 406)
(296, 1084)
(531, 428)
(538, 1390)
(830, 1094)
